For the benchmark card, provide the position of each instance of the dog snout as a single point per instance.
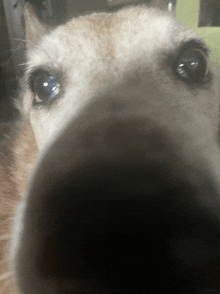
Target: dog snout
(129, 215)
(122, 226)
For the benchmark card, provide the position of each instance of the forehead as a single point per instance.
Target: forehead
(128, 34)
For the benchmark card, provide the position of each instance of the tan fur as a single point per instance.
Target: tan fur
(18, 155)
(7, 204)
(115, 78)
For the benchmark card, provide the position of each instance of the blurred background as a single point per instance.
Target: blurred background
(200, 15)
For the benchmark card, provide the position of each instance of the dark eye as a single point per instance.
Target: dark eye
(191, 65)
(44, 86)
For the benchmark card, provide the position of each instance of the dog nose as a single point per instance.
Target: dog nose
(133, 227)
(137, 221)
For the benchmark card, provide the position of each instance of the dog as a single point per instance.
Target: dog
(111, 176)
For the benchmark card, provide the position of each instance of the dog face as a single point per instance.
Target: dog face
(96, 56)
(124, 197)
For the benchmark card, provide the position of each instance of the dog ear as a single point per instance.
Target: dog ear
(34, 28)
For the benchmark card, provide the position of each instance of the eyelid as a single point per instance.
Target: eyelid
(194, 44)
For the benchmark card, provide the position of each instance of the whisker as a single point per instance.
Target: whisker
(5, 276)
(5, 237)
(17, 39)
(21, 40)
(22, 64)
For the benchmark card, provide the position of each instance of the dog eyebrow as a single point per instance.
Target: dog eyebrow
(187, 44)
(195, 43)
(184, 45)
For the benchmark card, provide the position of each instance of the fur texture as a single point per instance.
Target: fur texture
(114, 181)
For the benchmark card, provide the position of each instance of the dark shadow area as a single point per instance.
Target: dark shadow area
(8, 81)
(209, 13)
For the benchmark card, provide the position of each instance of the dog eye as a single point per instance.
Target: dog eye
(191, 65)
(44, 86)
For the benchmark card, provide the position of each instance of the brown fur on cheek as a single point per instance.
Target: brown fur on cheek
(26, 152)
(17, 156)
